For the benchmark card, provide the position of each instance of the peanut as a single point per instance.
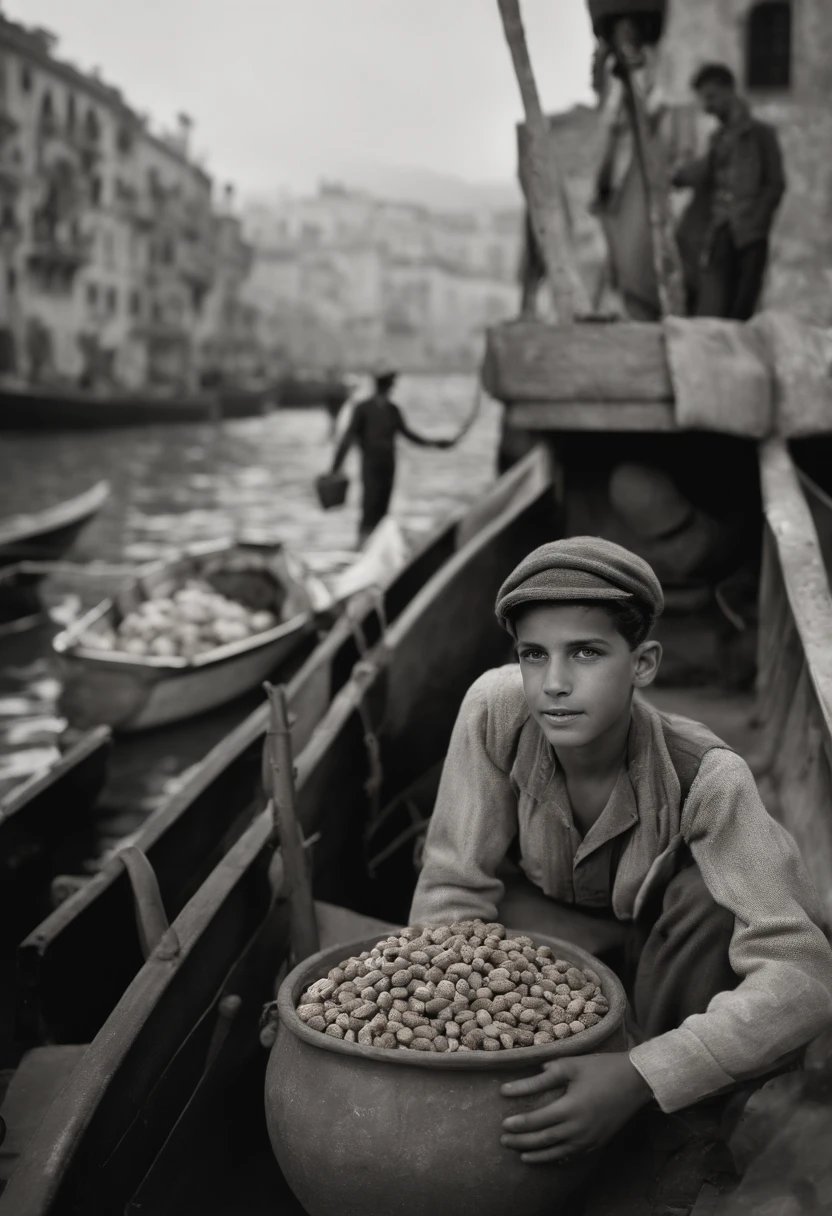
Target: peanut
(461, 987)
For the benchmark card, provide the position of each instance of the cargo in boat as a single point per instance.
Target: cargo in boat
(135, 683)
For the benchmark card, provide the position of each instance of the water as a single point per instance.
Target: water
(174, 485)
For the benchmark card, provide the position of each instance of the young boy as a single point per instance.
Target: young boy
(635, 828)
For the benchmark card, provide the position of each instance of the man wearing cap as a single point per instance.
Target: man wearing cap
(641, 837)
(374, 425)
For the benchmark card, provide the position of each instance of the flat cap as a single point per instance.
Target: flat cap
(579, 568)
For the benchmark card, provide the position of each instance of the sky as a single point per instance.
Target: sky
(285, 92)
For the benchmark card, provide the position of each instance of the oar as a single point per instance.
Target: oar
(303, 927)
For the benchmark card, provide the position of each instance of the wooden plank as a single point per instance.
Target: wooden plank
(532, 361)
(804, 572)
(593, 416)
(542, 182)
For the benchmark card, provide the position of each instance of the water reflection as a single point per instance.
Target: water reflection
(174, 485)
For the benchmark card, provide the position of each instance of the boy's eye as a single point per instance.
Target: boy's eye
(532, 655)
(587, 652)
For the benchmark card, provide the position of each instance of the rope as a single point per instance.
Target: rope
(375, 780)
(472, 417)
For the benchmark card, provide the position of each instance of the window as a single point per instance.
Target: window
(92, 125)
(769, 61)
(26, 79)
(92, 294)
(135, 303)
(112, 300)
(70, 113)
(11, 279)
(95, 190)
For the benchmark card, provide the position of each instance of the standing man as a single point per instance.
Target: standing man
(374, 426)
(741, 181)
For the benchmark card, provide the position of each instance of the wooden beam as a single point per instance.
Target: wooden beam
(624, 361)
(802, 565)
(569, 295)
(666, 260)
(593, 416)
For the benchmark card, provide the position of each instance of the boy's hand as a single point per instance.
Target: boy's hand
(598, 1094)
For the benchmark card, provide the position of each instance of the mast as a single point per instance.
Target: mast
(543, 185)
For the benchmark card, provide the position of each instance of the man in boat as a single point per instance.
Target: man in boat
(741, 183)
(641, 837)
(374, 425)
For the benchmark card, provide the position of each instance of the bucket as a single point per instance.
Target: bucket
(332, 490)
(359, 1130)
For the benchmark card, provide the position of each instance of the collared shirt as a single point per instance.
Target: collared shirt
(501, 781)
(724, 151)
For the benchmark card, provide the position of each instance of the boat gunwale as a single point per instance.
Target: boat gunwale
(17, 799)
(72, 1111)
(800, 558)
(70, 1114)
(21, 527)
(253, 728)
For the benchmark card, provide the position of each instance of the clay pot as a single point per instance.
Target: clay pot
(362, 1130)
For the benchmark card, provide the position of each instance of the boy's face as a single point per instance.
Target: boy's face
(578, 671)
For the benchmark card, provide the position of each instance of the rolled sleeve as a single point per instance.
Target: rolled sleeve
(752, 868)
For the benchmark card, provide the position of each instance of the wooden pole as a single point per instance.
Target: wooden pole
(543, 187)
(666, 261)
(303, 931)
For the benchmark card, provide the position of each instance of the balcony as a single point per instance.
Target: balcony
(196, 265)
(66, 251)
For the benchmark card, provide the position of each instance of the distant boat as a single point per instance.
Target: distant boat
(46, 535)
(40, 536)
(247, 402)
(25, 408)
(130, 692)
(298, 390)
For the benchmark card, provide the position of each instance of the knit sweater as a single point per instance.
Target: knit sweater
(500, 781)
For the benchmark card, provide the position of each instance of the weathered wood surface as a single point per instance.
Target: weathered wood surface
(794, 680)
(594, 416)
(541, 180)
(621, 361)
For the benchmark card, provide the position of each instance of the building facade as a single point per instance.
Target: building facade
(379, 278)
(114, 263)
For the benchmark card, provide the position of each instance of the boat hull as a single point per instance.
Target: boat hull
(30, 410)
(130, 694)
(48, 534)
(129, 699)
(247, 404)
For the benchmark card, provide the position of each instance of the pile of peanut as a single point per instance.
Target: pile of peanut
(462, 987)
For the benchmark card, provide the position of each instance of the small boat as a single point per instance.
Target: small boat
(182, 1047)
(25, 408)
(298, 391)
(44, 827)
(247, 403)
(137, 691)
(46, 535)
(216, 801)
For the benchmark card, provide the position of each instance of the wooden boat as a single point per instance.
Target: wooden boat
(136, 692)
(46, 535)
(296, 391)
(44, 829)
(247, 403)
(24, 408)
(187, 836)
(181, 1046)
